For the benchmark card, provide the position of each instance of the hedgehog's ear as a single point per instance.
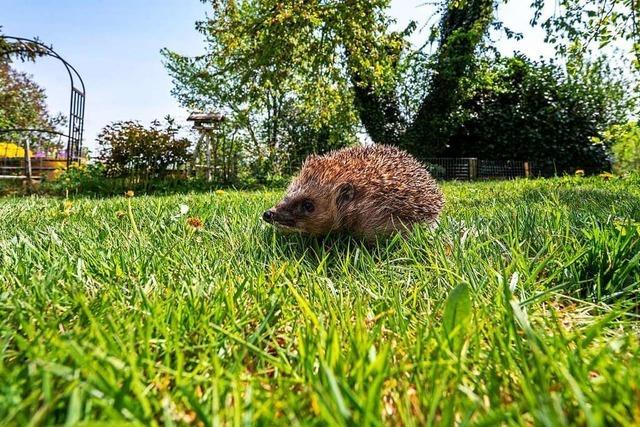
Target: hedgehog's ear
(346, 193)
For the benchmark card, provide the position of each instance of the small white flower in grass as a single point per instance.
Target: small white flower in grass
(182, 211)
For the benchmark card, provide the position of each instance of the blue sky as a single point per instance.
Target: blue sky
(115, 45)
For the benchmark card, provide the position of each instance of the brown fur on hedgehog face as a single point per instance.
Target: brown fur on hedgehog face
(311, 208)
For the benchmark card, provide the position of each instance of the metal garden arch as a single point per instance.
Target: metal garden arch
(34, 48)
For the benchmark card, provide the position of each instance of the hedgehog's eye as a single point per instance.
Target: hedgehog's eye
(308, 206)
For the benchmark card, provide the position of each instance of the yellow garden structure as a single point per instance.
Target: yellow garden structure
(9, 150)
(14, 163)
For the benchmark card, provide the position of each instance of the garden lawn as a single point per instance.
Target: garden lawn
(521, 308)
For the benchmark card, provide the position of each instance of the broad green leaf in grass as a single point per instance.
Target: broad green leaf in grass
(457, 310)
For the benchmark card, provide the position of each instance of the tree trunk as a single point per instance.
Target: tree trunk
(380, 114)
(462, 27)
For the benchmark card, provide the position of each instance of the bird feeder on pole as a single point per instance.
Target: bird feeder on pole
(207, 125)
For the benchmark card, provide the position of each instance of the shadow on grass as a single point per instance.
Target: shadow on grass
(329, 250)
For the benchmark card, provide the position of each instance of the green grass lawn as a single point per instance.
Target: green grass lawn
(521, 308)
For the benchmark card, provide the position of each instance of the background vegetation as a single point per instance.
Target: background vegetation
(515, 108)
(625, 142)
(128, 148)
(339, 66)
(303, 77)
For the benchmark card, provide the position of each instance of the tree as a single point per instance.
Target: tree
(336, 55)
(463, 25)
(257, 95)
(578, 27)
(24, 51)
(624, 140)
(334, 52)
(23, 101)
(462, 28)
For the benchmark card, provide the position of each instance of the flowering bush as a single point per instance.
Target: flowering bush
(128, 148)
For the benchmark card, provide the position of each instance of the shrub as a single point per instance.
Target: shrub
(436, 170)
(128, 148)
(79, 179)
(523, 110)
(625, 144)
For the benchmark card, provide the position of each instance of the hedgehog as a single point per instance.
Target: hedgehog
(366, 191)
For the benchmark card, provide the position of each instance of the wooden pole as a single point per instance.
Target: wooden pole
(527, 170)
(27, 162)
(215, 143)
(473, 169)
(196, 156)
(208, 176)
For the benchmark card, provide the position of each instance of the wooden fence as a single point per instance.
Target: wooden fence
(17, 168)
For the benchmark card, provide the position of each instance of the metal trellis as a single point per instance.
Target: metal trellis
(77, 98)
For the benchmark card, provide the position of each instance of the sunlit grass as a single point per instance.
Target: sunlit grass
(134, 309)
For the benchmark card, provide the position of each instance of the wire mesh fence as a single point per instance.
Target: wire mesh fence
(505, 169)
(443, 168)
(471, 168)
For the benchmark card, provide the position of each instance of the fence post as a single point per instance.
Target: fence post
(527, 170)
(197, 152)
(473, 168)
(208, 154)
(27, 162)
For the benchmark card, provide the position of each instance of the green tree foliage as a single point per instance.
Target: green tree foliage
(302, 138)
(257, 77)
(323, 58)
(22, 101)
(577, 27)
(24, 51)
(462, 27)
(23, 106)
(624, 140)
(129, 148)
(338, 59)
(519, 109)
(422, 129)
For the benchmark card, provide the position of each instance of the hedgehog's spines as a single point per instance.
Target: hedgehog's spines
(390, 189)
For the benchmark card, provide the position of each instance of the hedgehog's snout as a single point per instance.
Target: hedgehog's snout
(279, 217)
(268, 216)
